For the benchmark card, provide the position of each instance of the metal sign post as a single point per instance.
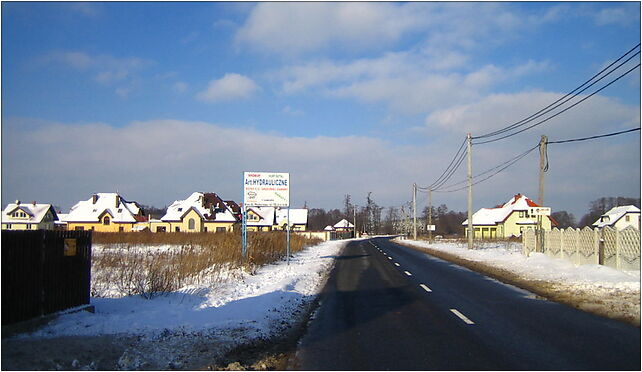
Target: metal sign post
(266, 189)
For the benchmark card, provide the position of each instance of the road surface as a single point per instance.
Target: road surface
(388, 307)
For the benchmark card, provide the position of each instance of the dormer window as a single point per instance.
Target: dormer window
(180, 209)
(106, 220)
(120, 210)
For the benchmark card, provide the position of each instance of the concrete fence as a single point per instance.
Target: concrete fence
(619, 249)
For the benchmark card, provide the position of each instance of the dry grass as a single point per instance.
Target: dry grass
(129, 262)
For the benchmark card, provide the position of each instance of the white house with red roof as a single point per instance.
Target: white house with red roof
(28, 216)
(510, 219)
(620, 218)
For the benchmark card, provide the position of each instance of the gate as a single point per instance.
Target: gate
(44, 271)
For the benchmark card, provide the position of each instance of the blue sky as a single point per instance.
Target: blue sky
(157, 100)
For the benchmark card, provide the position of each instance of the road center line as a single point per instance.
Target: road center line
(425, 287)
(408, 273)
(462, 316)
(390, 258)
(397, 264)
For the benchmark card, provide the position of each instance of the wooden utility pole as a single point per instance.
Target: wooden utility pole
(471, 231)
(542, 169)
(414, 211)
(429, 214)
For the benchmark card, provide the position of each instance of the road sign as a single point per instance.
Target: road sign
(263, 189)
(539, 211)
(431, 227)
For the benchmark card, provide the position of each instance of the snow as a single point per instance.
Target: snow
(112, 203)
(539, 266)
(258, 304)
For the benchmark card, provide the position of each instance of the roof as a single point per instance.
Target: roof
(343, 224)
(297, 216)
(494, 216)
(121, 210)
(35, 212)
(209, 206)
(614, 214)
(328, 228)
(266, 215)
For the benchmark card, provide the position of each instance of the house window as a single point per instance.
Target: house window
(204, 229)
(106, 220)
(8, 225)
(79, 228)
(28, 226)
(180, 209)
(177, 229)
(627, 218)
(161, 229)
(121, 229)
(191, 224)
(220, 229)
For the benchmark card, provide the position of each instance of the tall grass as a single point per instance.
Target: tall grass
(149, 264)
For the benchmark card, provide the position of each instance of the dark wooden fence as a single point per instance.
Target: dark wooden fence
(44, 272)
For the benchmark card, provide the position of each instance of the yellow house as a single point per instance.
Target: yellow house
(298, 219)
(261, 218)
(200, 212)
(33, 216)
(507, 220)
(105, 212)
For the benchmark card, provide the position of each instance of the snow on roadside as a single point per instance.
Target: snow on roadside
(258, 304)
(538, 266)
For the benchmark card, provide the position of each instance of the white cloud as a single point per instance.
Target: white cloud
(228, 88)
(292, 111)
(156, 162)
(292, 28)
(180, 87)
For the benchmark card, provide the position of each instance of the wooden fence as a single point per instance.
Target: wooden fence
(619, 249)
(44, 272)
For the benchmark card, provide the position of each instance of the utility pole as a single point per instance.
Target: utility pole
(471, 231)
(414, 211)
(429, 215)
(354, 220)
(542, 169)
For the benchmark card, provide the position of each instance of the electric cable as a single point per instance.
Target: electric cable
(594, 137)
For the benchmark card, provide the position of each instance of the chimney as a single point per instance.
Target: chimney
(18, 202)
(117, 201)
(34, 203)
(94, 198)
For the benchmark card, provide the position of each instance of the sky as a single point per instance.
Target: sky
(156, 100)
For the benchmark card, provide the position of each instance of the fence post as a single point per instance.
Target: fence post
(617, 248)
(577, 253)
(600, 252)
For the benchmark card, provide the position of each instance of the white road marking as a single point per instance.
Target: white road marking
(425, 287)
(408, 273)
(390, 258)
(396, 264)
(462, 316)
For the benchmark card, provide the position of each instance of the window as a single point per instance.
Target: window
(220, 229)
(180, 209)
(177, 229)
(106, 220)
(161, 229)
(79, 228)
(28, 226)
(627, 218)
(121, 229)
(191, 224)
(8, 225)
(204, 229)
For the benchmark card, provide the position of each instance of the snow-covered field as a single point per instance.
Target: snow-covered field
(597, 288)
(234, 312)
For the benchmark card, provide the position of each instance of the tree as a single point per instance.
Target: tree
(564, 219)
(348, 207)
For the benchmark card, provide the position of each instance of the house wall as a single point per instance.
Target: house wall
(100, 227)
(28, 226)
(213, 226)
(634, 220)
(514, 224)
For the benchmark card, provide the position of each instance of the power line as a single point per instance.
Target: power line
(594, 137)
(448, 171)
(497, 169)
(574, 93)
(563, 111)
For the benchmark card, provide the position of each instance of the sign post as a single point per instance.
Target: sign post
(266, 189)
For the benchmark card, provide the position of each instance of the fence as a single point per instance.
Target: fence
(44, 272)
(619, 249)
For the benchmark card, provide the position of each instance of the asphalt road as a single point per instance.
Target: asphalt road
(388, 307)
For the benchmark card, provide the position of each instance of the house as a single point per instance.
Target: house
(620, 218)
(343, 225)
(507, 220)
(105, 212)
(28, 216)
(200, 212)
(261, 218)
(298, 219)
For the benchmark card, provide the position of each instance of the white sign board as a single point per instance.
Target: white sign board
(431, 227)
(266, 189)
(539, 211)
